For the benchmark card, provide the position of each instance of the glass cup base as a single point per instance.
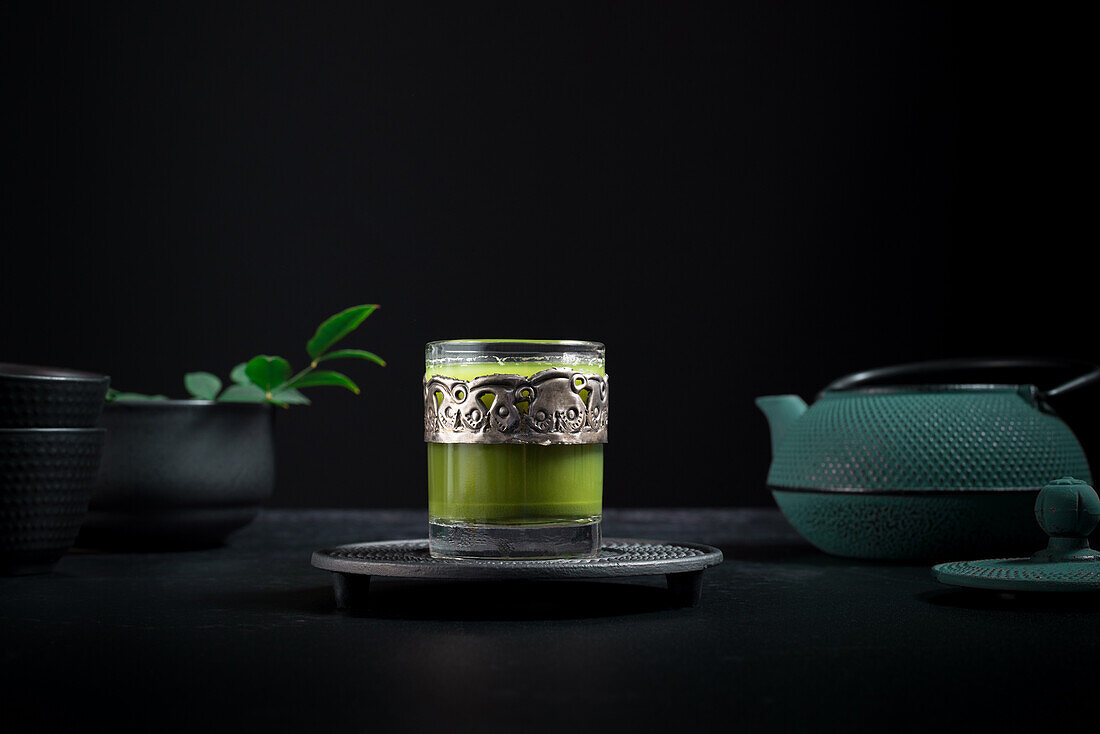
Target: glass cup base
(575, 539)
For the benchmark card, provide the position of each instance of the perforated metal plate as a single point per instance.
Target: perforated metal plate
(353, 565)
(618, 557)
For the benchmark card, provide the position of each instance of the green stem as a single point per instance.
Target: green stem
(290, 383)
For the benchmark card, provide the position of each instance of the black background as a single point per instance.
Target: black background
(737, 198)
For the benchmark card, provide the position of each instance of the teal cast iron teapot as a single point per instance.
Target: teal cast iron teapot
(882, 466)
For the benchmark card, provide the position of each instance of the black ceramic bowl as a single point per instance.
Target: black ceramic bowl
(50, 397)
(46, 479)
(180, 473)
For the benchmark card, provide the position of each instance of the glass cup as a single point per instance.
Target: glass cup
(515, 431)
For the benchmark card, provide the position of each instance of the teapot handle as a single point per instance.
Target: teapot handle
(918, 369)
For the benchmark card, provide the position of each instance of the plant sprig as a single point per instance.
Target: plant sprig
(268, 379)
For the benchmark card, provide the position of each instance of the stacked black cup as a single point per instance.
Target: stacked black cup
(49, 456)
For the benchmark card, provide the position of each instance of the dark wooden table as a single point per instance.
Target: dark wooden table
(246, 638)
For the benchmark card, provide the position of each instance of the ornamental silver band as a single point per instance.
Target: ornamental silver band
(554, 406)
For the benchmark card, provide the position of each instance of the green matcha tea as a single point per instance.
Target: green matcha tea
(515, 485)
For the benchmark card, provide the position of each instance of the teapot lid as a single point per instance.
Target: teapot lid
(1068, 510)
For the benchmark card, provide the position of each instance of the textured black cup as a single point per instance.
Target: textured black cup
(50, 397)
(46, 480)
(180, 473)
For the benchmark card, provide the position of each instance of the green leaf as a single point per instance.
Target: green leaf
(243, 394)
(327, 377)
(112, 394)
(239, 376)
(353, 353)
(336, 328)
(135, 397)
(202, 385)
(267, 372)
(290, 396)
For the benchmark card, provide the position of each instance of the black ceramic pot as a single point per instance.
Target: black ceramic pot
(46, 478)
(180, 473)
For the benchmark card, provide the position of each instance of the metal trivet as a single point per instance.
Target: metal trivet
(682, 564)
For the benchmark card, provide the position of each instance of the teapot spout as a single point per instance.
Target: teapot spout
(781, 411)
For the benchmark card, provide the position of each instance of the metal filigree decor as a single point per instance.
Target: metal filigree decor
(554, 406)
